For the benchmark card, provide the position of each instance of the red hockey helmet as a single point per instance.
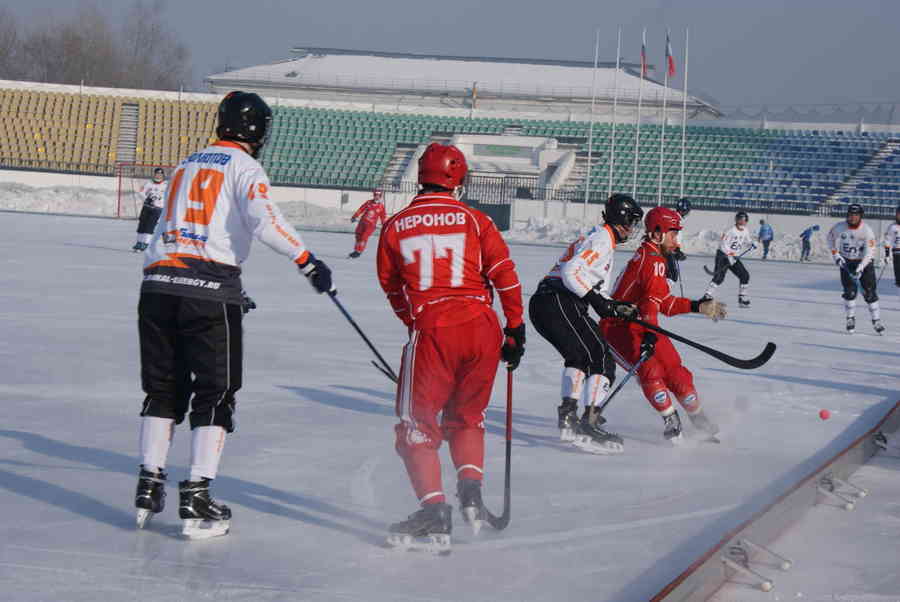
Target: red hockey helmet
(443, 166)
(662, 219)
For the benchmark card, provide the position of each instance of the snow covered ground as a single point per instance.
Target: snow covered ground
(311, 474)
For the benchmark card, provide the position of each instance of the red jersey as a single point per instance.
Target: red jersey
(644, 284)
(372, 212)
(438, 259)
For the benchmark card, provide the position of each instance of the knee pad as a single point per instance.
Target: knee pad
(656, 393)
(410, 435)
(849, 295)
(690, 402)
(870, 296)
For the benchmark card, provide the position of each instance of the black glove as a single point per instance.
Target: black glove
(887, 253)
(318, 274)
(679, 254)
(610, 308)
(648, 344)
(513, 346)
(247, 302)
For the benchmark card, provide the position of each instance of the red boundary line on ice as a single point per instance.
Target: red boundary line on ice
(734, 532)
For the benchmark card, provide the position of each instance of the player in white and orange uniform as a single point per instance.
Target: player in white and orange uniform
(189, 315)
(559, 311)
(644, 284)
(151, 196)
(439, 262)
(852, 245)
(369, 215)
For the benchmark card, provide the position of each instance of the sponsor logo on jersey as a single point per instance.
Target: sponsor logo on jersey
(182, 280)
(429, 219)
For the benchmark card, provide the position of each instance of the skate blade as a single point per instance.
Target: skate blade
(143, 517)
(198, 528)
(470, 515)
(567, 435)
(608, 448)
(438, 545)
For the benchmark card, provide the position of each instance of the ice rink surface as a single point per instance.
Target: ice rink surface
(311, 474)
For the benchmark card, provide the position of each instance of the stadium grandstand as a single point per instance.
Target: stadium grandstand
(353, 120)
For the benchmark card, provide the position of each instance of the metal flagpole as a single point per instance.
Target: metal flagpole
(637, 131)
(587, 179)
(612, 147)
(684, 113)
(662, 136)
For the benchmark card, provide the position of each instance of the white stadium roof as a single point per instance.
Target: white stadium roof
(432, 75)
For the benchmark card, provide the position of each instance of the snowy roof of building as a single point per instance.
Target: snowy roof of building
(434, 74)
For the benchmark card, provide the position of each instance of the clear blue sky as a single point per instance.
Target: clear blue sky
(742, 52)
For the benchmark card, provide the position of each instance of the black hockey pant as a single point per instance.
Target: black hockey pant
(866, 282)
(180, 337)
(148, 218)
(562, 319)
(896, 258)
(722, 267)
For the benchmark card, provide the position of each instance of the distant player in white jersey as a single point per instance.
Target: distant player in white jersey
(892, 247)
(189, 315)
(151, 195)
(853, 248)
(735, 242)
(559, 312)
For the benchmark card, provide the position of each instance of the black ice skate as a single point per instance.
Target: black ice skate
(743, 301)
(426, 530)
(878, 326)
(568, 419)
(851, 325)
(672, 427)
(353, 255)
(139, 247)
(470, 504)
(203, 516)
(702, 423)
(150, 497)
(591, 437)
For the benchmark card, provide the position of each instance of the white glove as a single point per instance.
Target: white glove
(840, 262)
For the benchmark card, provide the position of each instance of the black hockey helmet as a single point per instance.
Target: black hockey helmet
(683, 206)
(741, 215)
(622, 210)
(245, 117)
(855, 209)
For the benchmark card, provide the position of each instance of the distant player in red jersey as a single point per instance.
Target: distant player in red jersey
(439, 262)
(369, 215)
(644, 284)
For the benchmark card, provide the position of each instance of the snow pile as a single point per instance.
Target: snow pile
(704, 242)
(75, 200)
(313, 217)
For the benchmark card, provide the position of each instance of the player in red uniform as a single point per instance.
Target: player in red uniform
(369, 215)
(439, 262)
(644, 284)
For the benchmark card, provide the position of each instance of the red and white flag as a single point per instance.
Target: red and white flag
(670, 60)
(644, 54)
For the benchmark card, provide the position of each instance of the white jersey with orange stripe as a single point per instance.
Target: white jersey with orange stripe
(216, 204)
(588, 262)
(152, 193)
